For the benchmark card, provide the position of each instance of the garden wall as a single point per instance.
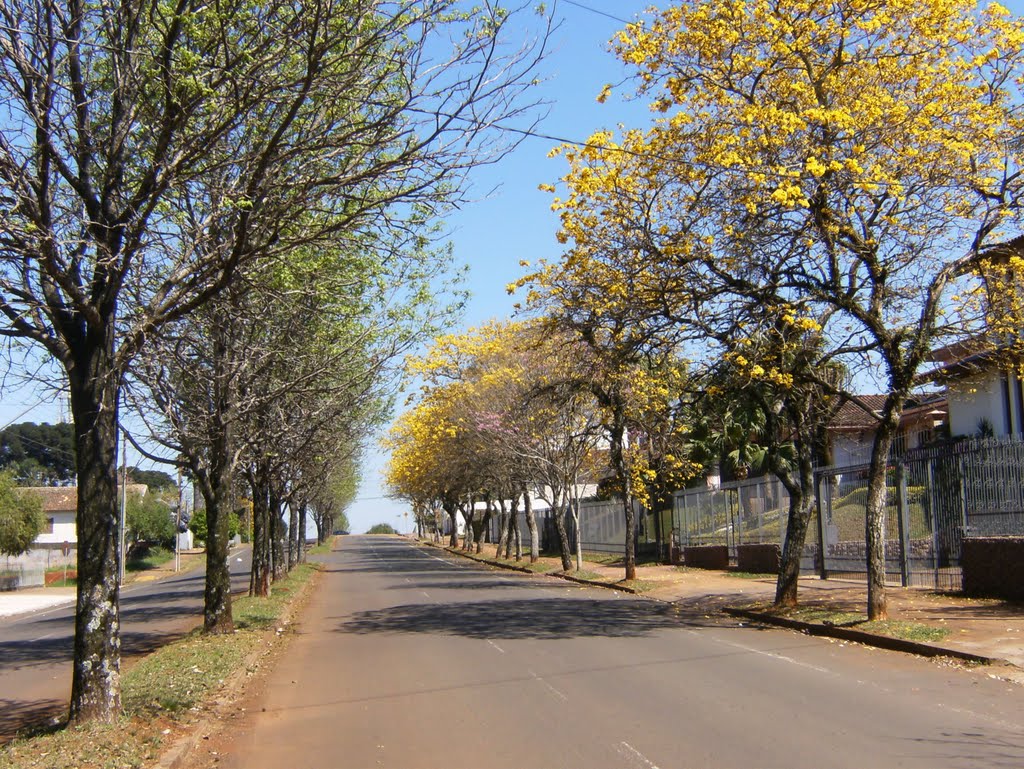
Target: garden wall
(758, 559)
(993, 567)
(707, 556)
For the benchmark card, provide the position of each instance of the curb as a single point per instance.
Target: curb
(862, 637)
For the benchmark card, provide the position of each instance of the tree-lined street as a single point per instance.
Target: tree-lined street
(424, 661)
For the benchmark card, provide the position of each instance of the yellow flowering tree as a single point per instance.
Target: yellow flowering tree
(852, 157)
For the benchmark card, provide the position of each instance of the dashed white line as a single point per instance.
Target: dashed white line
(491, 643)
(635, 756)
(550, 688)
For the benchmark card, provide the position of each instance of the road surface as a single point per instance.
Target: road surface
(36, 649)
(407, 657)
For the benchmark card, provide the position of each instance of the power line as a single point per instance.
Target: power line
(595, 11)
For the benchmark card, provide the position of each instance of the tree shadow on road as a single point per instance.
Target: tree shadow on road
(28, 717)
(539, 618)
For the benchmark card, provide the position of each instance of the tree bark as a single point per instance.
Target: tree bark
(279, 560)
(293, 541)
(875, 519)
(801, 504)
(480, 528)
(503, 531)
(511, 527)
(259, 578)
(453, 512)
(617, 451)
(531, 525)
(517, 537)
(96, 675)
(300, 535)
(217, 616)
(558, 510)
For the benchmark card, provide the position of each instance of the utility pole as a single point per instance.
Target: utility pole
(124, 504)
(177, 527)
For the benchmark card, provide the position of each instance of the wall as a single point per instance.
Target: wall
(63, 529)
(993, 567)
(973, 399)
(758, 559)
(707, 557)
(851, 448)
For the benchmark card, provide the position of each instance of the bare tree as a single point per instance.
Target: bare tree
(328, 109)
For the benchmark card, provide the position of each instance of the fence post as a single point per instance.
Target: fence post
(903, 518)
(822, 571)
(933, 507)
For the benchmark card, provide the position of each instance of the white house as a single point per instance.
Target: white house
(60, 507)
(985, 391)
(983, 395)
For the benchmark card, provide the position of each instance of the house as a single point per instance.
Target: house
(985, 393)
(60, 507)
(852, 431)
(982, 373)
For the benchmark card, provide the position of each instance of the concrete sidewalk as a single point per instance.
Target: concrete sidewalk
(985, 628)
(32, 599)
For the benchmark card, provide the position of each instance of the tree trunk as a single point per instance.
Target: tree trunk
(875, 520)
(293, 541)
(300, 535)
(480, 528)
(563, 537)
(503, 531)
(259, 578)
(277, 539)
(217, 594)
(617, 451)
(801, 504)
(453, 512)
(468, 513)
(511, 528)
(516, 537)
(531, 525)
(96, 676)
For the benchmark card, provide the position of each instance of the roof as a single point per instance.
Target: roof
(853, 417)
(57, 499)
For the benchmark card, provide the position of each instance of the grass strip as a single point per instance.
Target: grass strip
(903, 630)
(161, 690)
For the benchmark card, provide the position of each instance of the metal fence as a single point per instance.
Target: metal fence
(936, 496)
(602, 528)
(751, 511)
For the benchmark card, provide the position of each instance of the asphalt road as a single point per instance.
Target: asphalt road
(406, 657)
(36, 649)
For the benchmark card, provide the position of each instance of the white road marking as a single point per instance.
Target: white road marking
(489, 641)
(425, 593)
(550, 688)
(635, 756)
(781, 657)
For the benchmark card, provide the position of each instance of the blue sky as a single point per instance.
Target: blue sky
(509, 219)
(492, 234)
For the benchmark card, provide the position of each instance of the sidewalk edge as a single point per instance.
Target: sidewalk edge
(868, 639)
